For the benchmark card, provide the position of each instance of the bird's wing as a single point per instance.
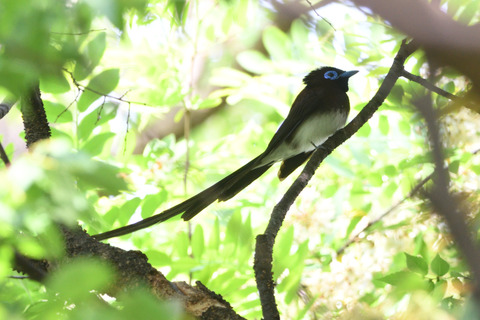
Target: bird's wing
(308, 101)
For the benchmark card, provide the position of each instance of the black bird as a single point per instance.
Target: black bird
(319, 110)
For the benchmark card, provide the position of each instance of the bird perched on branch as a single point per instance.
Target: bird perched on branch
(318, 111)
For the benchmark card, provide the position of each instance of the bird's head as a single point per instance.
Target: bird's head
(327, 76)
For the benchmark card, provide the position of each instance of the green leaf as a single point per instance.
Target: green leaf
(396, 95)
(158, 258)
(330, 191)
(102, 176)
(281, 252)
(420, 246)
(128, 209)
(181, 244)
(439, 266)
(390, 190)
(177, 7)
(95, 145)
(214, 240)
(383, 125)
(93, 54)
(285, 241)
(404, 127)
(75, 280)
(229, 77)
(57, 112)
(390, 171)
(364, 131)
(54, 83)
(476, 168)
(339, 167)
(353, 223)
(416, 264)
(152, 202)
(231, 232)
(255, 62)
(406, 280)
(454, 166)
(469, 11)
(277, 43)
(95, 118)
(209, 103)
(198, 242)
(99, 86)
(139, 303)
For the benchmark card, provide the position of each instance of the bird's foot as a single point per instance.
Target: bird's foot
(317, 147)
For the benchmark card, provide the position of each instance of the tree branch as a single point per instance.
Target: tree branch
(34, 117)
(444, 203)
(133, 270)
(6, 105)
(446, 41)
(429, 86)
(3, 156)
(264, 247)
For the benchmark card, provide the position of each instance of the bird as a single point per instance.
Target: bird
(317, 112)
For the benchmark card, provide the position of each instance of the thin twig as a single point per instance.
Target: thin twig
(86, 88)
(3, 156)
(425, 83)
(412, 192)
(77, 33)
(79, 91)
(126, 131)
(321, 17)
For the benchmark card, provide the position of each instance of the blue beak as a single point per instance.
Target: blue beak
(348, 74)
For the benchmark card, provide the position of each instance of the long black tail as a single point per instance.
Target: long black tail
(222, 190)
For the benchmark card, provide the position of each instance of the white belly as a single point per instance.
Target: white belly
(312, 133)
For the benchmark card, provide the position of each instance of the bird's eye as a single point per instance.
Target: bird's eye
(331, 75)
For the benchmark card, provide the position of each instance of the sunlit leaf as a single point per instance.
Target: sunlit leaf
(416, 264)
(277, 43)
(198, 242)
(439, 266)
(99, 86)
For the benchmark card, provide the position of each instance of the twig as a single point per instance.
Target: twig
(425, 83)
(77, 33)
(321, 17)
(386, 213)
(86, 88)
(264, 246)
(6, 105)
(3, 155)
(126, 130)
(79, 91)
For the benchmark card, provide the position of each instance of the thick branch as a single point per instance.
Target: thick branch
(444, 203)
(34, 117)
(446, 41)
(133, 270)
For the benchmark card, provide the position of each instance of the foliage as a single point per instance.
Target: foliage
(109, 69)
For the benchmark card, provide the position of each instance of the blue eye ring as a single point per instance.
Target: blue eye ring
(331, 75)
